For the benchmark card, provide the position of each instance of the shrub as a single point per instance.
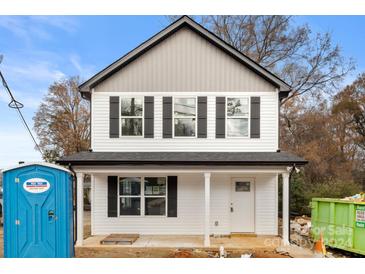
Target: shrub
(333, 189)
(302, 192)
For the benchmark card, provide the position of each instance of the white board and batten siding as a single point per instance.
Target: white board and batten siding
(190, 208)
(184, 64)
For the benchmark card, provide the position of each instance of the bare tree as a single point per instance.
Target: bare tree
(62, 121)
(309, 62)
(350, 102)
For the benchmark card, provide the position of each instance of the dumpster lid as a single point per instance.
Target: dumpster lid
(38, 164)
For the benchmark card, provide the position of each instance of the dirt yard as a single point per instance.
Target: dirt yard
(87, 224)
(155, 252)
(1, 242)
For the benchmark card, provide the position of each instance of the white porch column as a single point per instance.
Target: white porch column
(80, 208)
(285, 208)
(207, 209)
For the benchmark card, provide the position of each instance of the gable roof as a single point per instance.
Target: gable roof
(184, 21)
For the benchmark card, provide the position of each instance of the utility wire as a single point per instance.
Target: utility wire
(17, 105)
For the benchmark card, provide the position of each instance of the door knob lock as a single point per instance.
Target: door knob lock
(51, 215)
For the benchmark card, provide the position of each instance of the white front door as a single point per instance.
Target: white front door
(242, 205)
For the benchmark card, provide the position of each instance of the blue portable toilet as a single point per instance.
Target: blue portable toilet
(38, 211)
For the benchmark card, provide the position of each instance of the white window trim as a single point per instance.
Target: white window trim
(126, 117)
(130, 196)
(248, 117)
(187, 117)
(142, 196)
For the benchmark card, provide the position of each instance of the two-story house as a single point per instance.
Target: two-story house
(184, 141)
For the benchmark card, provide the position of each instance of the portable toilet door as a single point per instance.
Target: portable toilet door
(38, 213)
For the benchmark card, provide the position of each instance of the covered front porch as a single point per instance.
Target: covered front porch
(205, 212)
(196, 199)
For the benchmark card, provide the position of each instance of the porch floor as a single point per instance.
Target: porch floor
(195, 241)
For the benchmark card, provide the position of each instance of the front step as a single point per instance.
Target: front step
(242, 235)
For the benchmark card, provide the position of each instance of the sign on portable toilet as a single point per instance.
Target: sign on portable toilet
(38, 213)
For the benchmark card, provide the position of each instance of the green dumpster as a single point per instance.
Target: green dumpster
(341, 222)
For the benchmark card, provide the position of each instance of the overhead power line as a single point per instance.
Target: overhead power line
(17, 106)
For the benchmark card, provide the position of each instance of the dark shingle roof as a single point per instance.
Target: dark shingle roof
(187, 158)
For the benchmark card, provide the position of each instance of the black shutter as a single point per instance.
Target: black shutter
(255, 117)
(148, 116)
(220, 117)
(172, 196)
(114, 117)
(112, 196)
(167, 117)
(202, 117)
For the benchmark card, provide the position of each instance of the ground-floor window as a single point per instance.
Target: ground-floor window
(130, 195)
(142, 196)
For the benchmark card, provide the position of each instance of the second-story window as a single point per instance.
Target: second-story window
(131, 116)
(237, 116)
(185, 117)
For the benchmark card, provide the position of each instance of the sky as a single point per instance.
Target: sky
(39, 50)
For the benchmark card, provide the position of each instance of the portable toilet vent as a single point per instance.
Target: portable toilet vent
(38, 213)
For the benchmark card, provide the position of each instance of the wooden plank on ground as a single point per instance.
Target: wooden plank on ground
(119, 239)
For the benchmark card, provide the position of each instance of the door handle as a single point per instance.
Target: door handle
(51, 215)
(231, 208)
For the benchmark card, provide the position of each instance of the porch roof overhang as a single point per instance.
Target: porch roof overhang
(182, 158)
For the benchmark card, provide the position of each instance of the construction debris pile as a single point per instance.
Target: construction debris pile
(304, 247)
(300, 231)
(301, 225)
(360, 197)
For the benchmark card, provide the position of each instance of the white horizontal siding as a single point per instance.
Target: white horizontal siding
(268, 140)
(190, 218)
(184, 61)
(220, 204)
(266, 205)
